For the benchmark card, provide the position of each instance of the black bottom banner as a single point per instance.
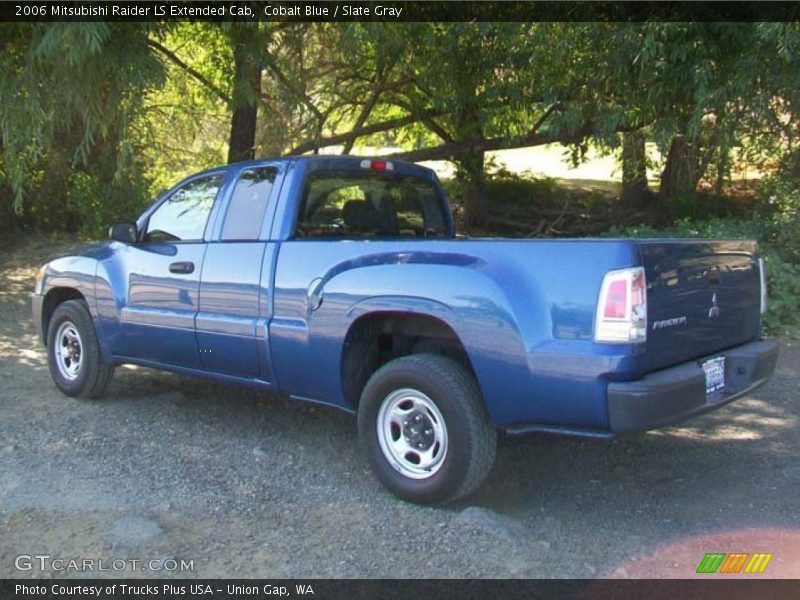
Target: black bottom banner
(407, 589)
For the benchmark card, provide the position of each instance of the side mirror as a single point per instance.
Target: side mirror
(123, 232)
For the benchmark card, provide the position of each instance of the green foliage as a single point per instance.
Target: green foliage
(503, 188)
(783, 314)
(182, 127)
(84, 196)
(96, 206)
(708, 229)
(97, 117)
(781, 209)
(69, 93)
(74, 86)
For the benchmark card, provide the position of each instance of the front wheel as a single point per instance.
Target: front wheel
(73, 353)
(425, 429)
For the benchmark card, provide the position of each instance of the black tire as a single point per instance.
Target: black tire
(471, 439)
(94, 375)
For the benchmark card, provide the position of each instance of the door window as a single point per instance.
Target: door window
(184, 214)
(248, 204)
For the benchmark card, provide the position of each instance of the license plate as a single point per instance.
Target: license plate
(715, 374)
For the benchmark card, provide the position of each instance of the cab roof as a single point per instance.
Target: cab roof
(329, 162)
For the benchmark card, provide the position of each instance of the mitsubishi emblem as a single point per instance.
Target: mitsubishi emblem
(713, 312)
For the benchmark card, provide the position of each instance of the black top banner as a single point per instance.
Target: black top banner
(397, 11)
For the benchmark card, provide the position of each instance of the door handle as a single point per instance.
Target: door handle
(181, 267)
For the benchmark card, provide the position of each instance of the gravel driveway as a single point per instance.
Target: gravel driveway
(247, 484)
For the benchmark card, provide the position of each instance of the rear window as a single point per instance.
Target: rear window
(348, 204)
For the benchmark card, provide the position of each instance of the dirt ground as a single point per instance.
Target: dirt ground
(240, 483)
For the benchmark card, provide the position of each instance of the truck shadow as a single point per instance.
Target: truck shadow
(718, 457)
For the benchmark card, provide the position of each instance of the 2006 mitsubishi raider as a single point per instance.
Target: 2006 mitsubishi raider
(340, 280)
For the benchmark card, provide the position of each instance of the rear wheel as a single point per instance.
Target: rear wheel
(73, 353)
(423, 424)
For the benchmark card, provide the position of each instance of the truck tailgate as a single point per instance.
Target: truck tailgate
(702, 297)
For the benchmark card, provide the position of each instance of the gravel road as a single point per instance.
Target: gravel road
(247, 484)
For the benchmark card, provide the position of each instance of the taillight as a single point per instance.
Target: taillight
(762, 267)
(622, 307)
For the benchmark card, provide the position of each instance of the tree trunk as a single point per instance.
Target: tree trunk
(476, 204)
(243, 134)
(472, 162)
(634, 169)
(681, 172)
(246, 91)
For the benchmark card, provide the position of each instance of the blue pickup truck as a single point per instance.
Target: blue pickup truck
(340, 280)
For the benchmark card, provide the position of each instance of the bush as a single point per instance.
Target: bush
(781, 210)
(783, 276)
(98, 205)
(504, 188)
(784, 296)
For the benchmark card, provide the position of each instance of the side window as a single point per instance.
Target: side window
(184, 214)
(248, 204)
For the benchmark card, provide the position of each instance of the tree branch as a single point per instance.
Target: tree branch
(378, 88)
(342, 138)
(169, 54)
(362, 116)
(427, 120)
(532, 138)
(284, 80)
(456, 149)
(545, 115)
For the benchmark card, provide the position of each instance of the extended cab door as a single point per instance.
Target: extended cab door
(163, 272)
(234, 307)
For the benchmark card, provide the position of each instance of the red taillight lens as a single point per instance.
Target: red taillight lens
(617, 300)
(622, 307)
(378, 165)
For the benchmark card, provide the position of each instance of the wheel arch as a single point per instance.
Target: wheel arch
(54, 297)
(378, 336)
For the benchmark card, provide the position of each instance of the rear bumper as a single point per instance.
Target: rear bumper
(677, 393)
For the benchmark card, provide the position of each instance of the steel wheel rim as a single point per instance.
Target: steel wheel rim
(412, 433)
(68, 351)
